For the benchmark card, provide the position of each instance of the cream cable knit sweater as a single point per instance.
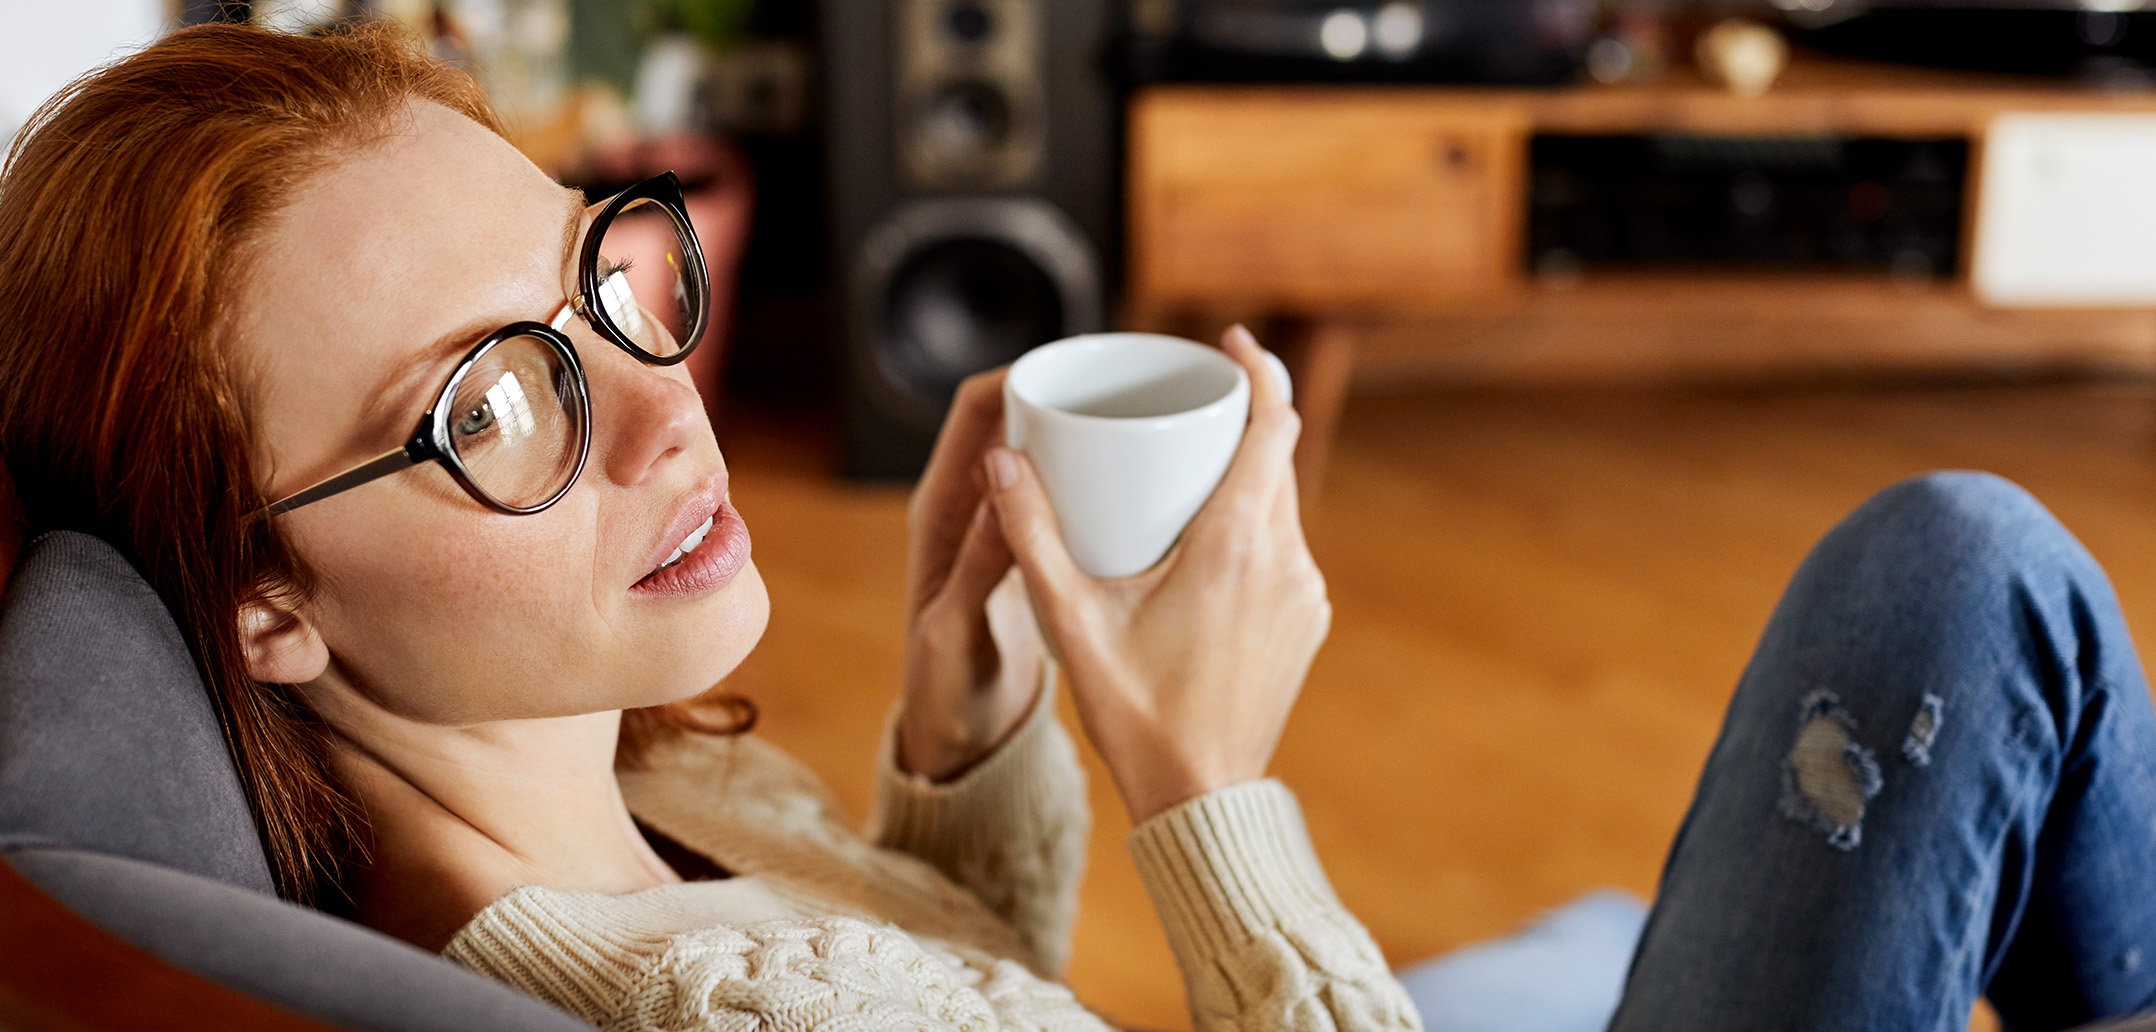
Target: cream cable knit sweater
(954, 916)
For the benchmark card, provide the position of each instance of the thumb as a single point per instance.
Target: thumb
(1031, 532)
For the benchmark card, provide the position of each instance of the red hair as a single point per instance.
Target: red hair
(129, 209)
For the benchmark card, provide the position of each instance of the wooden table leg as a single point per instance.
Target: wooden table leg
(1320, 356)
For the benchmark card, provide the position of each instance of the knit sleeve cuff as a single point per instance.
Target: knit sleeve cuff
(1229, 866)
(1028, 776)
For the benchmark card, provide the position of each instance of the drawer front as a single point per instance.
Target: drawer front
(1354, 199)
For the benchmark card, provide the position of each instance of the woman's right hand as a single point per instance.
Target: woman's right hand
(1183, 675)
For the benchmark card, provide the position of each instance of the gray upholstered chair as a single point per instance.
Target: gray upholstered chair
(119, 800)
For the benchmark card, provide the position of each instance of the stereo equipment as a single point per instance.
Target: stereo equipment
(973, 165)
(2102, 39)
(1477, 41)
(1790, 203)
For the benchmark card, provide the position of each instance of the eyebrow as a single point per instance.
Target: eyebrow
(385, 401)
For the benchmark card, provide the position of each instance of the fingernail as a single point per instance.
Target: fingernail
(1002, 468)
(1242, 334)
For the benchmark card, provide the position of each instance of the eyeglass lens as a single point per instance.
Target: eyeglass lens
(646, 282)
(516, 422)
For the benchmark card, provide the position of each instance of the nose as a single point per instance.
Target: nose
(642, 415)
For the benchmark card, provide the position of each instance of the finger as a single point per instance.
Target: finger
(975, 421)
(1031, 533)
(949, 490)
(1265, 460)
(1266, 391)
(1012, 625)
(983, 559)
(1287, 505)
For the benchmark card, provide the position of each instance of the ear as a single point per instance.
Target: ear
(281, 644)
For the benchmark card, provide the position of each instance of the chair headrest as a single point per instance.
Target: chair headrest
(108, 742)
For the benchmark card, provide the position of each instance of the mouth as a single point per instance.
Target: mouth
(710, 544)
(695, 538)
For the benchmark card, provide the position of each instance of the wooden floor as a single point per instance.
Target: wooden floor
(1542, 602)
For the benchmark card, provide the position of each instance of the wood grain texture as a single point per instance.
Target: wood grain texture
(1307, 198)
(1543, 601)
(1412, 200)
(1408, 205)
(1394, 218)
(1655, 329)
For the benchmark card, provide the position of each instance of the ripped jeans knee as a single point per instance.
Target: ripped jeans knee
(1829, 778)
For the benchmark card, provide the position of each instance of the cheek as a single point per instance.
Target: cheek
(504, 619)
(450, 621)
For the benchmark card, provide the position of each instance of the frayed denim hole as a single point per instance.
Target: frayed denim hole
(1828, 777)
(1923, 731)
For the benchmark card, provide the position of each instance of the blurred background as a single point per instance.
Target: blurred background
(1601, 311)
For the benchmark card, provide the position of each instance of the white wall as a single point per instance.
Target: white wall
(44, 44)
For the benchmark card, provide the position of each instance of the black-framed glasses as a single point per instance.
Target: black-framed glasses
(513, 423)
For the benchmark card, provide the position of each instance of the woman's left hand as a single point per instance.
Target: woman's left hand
(973, 649)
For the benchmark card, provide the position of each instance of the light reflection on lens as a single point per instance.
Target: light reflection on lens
(512, 409)
(620, 304)
(523, 431)
(648, 285)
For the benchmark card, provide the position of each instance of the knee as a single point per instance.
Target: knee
(1953, 508)
(1946, 557)
(1952, 607)
(1947, 525)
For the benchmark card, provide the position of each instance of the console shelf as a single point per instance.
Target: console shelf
(1380, 231)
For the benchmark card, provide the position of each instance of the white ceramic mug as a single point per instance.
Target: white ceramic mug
(1131, 432)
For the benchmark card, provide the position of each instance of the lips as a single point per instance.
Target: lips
(695, 538)
(708, 544)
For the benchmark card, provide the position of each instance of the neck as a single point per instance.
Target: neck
(460, 815)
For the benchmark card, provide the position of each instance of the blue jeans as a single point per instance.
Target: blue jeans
(1937, 779)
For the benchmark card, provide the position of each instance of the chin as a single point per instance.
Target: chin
(727, 628)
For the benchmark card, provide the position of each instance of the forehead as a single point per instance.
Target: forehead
(434, 225)
(428, 212)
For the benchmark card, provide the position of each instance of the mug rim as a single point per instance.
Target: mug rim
(1241, 386)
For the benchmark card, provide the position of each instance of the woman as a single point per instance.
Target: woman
(377, 409)
(398, 433)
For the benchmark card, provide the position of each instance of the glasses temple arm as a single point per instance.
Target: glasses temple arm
(373, 469)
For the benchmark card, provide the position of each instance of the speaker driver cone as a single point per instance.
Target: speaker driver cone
(956, 286)
(962, 306)
(966, 122)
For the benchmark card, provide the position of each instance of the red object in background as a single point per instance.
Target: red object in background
(60, 973)
(721, 194)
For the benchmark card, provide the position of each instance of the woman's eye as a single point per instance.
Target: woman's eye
(476, 421)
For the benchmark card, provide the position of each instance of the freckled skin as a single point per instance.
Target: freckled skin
(432, 607)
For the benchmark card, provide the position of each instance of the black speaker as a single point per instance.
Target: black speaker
(2110, 43)
(1372, 41)
(974, 162)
